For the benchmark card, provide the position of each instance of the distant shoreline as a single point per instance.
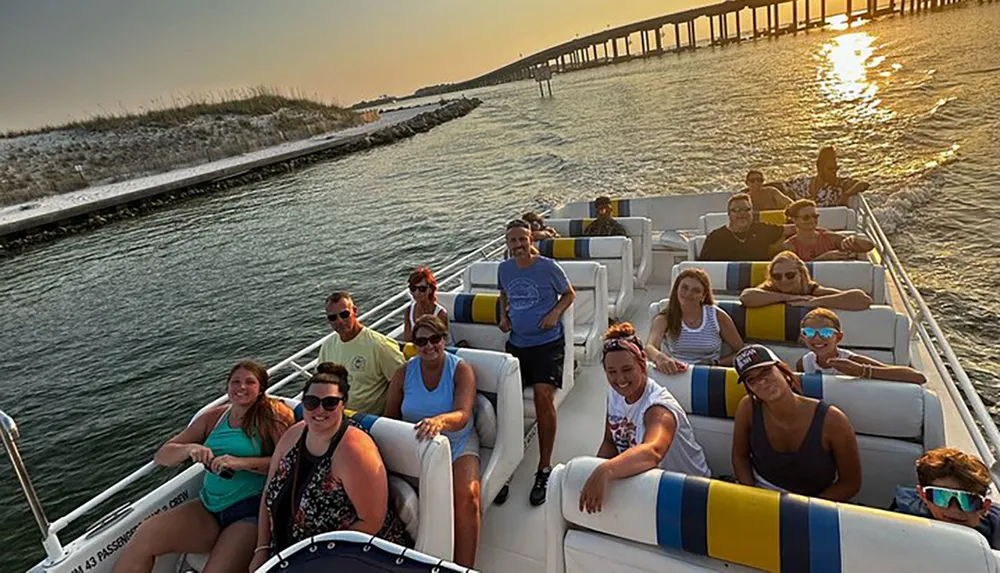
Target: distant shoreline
(18, 235)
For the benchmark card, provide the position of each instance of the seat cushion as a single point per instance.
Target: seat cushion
(486, 421)
(404, 498)
(588, 552)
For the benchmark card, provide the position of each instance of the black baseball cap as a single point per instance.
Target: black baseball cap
(753, 356)
(602, 201)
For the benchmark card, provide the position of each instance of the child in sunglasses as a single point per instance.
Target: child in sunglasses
(952, 488)
(820, 332)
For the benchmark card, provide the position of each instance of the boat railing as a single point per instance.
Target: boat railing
(380, 316)
(977, 420)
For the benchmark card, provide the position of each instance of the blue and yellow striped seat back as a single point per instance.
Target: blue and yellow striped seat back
(565, 248)
(481, 308)
(749, 526)
(740, 276)
(772, 217)
(619, 208)
(577, 227)
(776, 322)
(716, 393)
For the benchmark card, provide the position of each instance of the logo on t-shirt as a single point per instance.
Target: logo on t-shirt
(522, 293)
(622, 432)
(358, 363)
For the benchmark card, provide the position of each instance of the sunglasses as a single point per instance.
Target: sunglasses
(421, 288)
(942, 497)
(755, 179)
(740, 210)
(826, 333)
(329, 403)
(422, 341)
(789, 275)
(344, 315)
(809, 217)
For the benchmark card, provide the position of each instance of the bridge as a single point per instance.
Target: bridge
(602, 48)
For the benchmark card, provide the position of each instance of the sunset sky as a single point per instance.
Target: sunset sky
(69, 59)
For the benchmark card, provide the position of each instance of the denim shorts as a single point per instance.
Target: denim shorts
(243, 510)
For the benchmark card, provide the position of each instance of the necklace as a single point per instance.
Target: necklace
(737, 237)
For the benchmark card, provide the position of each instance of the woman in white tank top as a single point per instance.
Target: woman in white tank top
(423, 290)
(692, 329)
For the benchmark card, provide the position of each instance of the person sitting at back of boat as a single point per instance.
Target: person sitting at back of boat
(234, 442)
(645, 427)
(825, 188)
(326, 475)
(785, 441)
(436, 390)
(952, 487)
(742, 239)
(605, 225)
(811, 243)
(764, 197)
(539, 230)
(788, 282)
(692, 329)
(371, 357)
(820, 332)
(423, 289)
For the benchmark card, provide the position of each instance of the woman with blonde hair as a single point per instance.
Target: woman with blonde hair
(812, 243)
(788, 282)
(692, 329)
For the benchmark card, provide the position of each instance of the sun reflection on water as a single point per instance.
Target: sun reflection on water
(843, 70)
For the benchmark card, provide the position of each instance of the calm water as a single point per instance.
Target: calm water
(112, 340)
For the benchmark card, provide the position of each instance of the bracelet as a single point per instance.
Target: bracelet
(261, 548)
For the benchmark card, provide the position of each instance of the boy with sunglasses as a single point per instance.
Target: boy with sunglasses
(820, 332)
(952, 488)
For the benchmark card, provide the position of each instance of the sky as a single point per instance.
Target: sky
(70, 59)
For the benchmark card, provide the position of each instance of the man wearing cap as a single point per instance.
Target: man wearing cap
(605, 225)
(534, 293)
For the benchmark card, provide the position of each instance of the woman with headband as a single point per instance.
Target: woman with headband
(645, 426)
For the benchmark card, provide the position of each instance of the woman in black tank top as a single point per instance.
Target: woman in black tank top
(784, 440)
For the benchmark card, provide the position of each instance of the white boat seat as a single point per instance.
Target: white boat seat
(895, 422)
(739, 527)
(730, 278)
(615, 253)
(879, 332)
(830, 218)
(639, 229)
(590, 309)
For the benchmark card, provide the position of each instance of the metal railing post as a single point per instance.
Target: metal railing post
(9, 434)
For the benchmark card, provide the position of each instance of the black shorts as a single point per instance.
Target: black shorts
(540, 364)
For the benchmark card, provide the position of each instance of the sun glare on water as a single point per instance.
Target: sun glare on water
(846, 74)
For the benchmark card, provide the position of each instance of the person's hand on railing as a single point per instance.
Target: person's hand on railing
(199, 454)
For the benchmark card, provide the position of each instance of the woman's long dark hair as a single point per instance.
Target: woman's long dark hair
(267, 417)
(673, 312)
(790, 377)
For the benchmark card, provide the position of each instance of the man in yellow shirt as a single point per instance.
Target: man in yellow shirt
(371, 358)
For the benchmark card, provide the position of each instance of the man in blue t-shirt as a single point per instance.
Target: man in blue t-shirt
(534, 293)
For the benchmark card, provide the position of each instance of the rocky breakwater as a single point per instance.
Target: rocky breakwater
(16, 242)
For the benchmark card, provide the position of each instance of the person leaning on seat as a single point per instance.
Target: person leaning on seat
(436, 390)
(605, 225)
(234, 441)
(820, 332)
(539, 230)
(742, 239)
(952, 487)
(370, 357)
(764, 197)
(785, 441)
(534, 293)
(423, 289)
(788, 282)
(812, 243)
(325, 475)
(645, 426)
(825, 188)
(692, 329)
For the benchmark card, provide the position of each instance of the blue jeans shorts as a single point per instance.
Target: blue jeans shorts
(243, 510)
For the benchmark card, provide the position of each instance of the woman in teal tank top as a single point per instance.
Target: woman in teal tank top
(436, 391)
(234, 442)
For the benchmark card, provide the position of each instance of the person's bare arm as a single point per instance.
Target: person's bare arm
(741, 443)
(365, 481)
(754, 297)
(661, 361)
(839, 437)
(504, 319)
(287, 441)
(394, 395)
(465, 400)
(608, 448)
(777, 197)
(856, 244)
(407, 327)
(730, 335)
(865, 367)
(567, 298)
(188, 445)
(852, 299)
